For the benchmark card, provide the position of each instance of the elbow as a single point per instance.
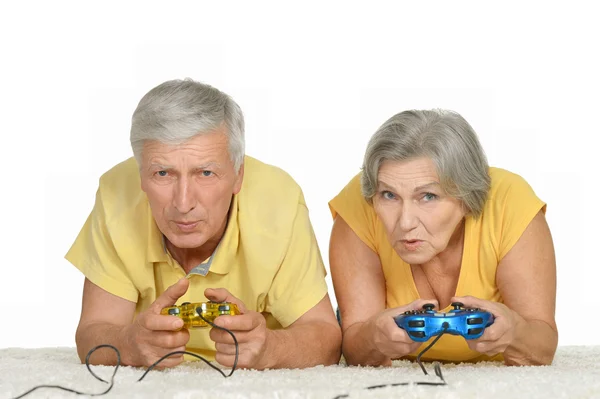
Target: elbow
(334, 354)
(543, 355)
(542, 359)
(80, 335)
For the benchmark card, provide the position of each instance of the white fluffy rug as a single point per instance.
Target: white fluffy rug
(575, 373)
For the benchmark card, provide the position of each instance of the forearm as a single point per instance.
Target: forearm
(534, 344)
(317, 343)
(359, 349)
(91, 335)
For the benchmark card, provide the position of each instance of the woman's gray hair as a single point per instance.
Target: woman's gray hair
(177, 110)
(443, 136)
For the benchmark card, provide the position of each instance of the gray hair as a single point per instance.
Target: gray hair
(177, 110)
(443, 136)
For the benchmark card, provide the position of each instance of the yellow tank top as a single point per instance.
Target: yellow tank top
(510, 207)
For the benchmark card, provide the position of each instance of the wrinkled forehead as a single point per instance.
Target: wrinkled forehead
(201, 149)
(409, 174)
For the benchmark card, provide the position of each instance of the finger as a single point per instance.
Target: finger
(225, 349)
(244, 322)
(228, 360)
(489, 349)
(398, 336)
(170, 340)
(220, 336)
(472, 302)
(170, 361)
(419, 303)
(157, 322)
(222, 295)
(170, 295)
(415, 305)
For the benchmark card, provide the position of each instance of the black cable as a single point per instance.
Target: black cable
(112, 379)
(437, 368)
(200, 357)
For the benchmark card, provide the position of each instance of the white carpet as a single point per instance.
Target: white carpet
(574, 374)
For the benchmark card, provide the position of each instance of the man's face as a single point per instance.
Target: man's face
(190, 186)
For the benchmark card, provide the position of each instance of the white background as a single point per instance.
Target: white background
(315, 80)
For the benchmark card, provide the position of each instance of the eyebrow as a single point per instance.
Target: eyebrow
(384, 185)
(154, 165)
(209, 165)
(426, 186)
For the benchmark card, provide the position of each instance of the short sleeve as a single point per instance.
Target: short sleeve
(356, 212)
(299, 284)
(516, 205)
(94, 254)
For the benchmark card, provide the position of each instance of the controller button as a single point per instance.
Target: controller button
(174, 311)
(475, 320)
(417, 334)
(416, 323)
(457, 305)
(185, 303)
(224, 308)
(474, 331)
(428, 306)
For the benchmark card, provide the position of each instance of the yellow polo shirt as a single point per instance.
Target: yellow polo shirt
(268, 256)
(510, 207)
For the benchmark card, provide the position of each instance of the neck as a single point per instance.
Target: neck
(445, 262)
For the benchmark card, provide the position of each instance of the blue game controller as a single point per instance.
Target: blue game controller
(424, 324)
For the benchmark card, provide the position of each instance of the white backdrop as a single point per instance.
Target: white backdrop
(315, 81)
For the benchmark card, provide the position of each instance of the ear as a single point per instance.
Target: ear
(237, 186)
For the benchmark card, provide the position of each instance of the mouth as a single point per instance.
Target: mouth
(186, 226)
(411, 245)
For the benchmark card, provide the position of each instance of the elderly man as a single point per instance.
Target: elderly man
(191, 218)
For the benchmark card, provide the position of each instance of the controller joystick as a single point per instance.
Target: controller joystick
(428, 307)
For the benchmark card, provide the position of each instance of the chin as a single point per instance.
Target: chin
(187, 241)
(413, 258)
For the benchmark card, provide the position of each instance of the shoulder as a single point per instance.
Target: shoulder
(119, 190)
(507, 186)
(270, 197)
(259, 176)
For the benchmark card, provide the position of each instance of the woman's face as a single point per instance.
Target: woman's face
(419, 217)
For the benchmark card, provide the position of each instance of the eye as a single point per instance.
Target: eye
(388, 195)
(162, 173)
(429, 197)
(207, 173)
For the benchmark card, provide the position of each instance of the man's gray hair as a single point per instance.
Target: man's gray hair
(443, 136)
(177, 110)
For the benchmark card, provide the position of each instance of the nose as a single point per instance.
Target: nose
(183, 198)
(407, 219)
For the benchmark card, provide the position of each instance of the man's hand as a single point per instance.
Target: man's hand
(250, 330)
(389, 339)
(152, 335)
(497, 337)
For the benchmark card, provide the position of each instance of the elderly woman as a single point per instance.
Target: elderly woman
(428, 221)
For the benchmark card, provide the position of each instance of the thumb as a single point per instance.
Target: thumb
(171, 295)
(415, 305)
(222, 295)
(469, 301)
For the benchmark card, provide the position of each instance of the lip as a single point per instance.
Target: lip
(186, 226)
(411, 245)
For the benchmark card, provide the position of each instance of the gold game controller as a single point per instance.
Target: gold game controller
(195, 314)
